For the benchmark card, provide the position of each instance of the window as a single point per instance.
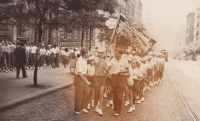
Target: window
(69, 36)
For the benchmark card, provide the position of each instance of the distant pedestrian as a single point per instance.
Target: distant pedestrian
(20, 61)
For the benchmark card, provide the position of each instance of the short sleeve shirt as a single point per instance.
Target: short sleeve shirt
(12, 48)
(33, 49)
(42, 51)
(8, 48)
(81, 66)
(48, 52)
(53, 51)
(90, 70)
(118, 66)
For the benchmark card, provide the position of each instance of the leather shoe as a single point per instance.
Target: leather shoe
(25, 77)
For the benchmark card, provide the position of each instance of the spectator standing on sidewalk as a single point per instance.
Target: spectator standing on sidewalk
(64, 55)
(42, 56)
(4, 57)
(57, 56)
(53, 56)
(33, 55)
(81, 83)
(20, 54)
(12, 49)
(8, 55)
(48, 57)
(1, 54)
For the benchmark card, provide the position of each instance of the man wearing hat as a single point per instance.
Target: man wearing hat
(20, 61)
(81, 83)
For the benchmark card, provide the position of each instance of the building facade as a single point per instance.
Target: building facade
(60, 37)
(197, 25)
(189, 28)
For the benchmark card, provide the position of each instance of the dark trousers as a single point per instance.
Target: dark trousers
(48, 60)
(22, 67)
(57, 60)
(53, 61)
(82, 94)
(118, 85)
(8, 58)
(12, 60)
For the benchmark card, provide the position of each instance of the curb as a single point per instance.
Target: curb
(16, 102)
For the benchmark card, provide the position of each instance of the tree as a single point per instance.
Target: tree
(38, 14)
(88, 13)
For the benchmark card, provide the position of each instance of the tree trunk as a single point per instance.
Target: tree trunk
(90, 42)
(37, 53)
(82, 37)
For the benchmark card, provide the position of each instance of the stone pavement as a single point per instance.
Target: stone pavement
(15, 91)
(186, 75)
(162, 103)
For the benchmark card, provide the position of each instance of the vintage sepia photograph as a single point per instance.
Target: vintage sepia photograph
(99, 60)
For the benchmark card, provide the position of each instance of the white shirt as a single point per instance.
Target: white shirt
(53, 51)
(90, 70)
(64, 53)
(137, 73)
(57, 49)
(81, 66)
(77, 52)
(28, 49)
(8, 48)
(33, 49)
(48, 52)
(42, 51)
(118, 66)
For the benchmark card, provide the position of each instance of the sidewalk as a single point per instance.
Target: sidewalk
(14, 92)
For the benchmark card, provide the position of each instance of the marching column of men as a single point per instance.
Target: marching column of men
(115, 76)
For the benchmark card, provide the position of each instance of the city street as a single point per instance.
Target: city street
(162, 103)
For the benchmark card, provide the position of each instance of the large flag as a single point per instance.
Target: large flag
(126, 34)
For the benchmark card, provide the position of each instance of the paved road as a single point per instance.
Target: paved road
(186, 76)
(162, 103)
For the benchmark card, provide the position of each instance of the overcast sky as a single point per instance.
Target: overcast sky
(167, 17)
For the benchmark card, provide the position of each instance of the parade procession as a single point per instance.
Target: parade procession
(99, 60)
(122, 76)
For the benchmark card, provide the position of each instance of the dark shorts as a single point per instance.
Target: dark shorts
(108, 81)
(142, 83)
(99, 81)
(136, 86)
(149, 72)
(91, 80)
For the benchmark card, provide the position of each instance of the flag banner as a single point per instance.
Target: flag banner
(126, 34)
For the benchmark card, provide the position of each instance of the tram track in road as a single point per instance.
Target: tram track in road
(191, 112)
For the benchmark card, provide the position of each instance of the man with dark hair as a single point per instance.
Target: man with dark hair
(20, 61)
(81, 83)
(119, 67)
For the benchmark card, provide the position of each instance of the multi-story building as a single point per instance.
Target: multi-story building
(197, 25)
(180, 40)
(138, 13)
(189, 29)
(131, 10)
